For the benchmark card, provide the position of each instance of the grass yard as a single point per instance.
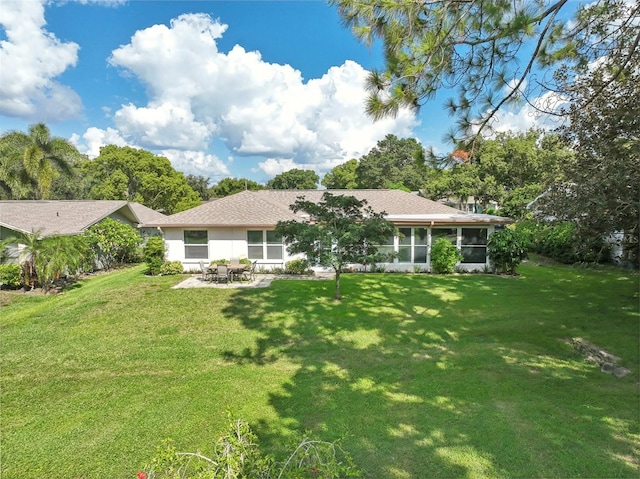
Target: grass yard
(464, 376)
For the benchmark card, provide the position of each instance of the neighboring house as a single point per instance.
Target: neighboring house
(70, 217)
(470, 206)
(242, 226)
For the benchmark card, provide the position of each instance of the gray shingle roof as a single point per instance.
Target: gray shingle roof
(50, 217)
(265, 208)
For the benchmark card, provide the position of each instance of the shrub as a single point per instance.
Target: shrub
(506, 249)
(296, 266)
(153, 254)
(114, 243)
(444, 256)
(237, 455)
(564, 242)
(171, 267)
(220, 261)
(10, 276)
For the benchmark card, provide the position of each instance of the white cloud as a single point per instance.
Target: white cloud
(95, 138)
(273, 167)
(196, 93)
(163, 126)
(197, 163)
(31, 58)
(530, 116)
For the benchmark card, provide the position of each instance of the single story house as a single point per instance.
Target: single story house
(242, 226)
(70, 217)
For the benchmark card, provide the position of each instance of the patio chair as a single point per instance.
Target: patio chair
(251, 272)
(222, 273)
(206, 272)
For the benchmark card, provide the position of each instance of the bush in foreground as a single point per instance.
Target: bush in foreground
(506, 250)
(444, 256)
(237, 455)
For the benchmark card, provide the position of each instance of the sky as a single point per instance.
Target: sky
(221, 88)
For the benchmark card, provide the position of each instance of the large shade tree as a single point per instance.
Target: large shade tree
(342, 177)
(125, 173)
(30, 162)
(511, 169)
(491, 53)
(341, 230)
(393, 163)
(295, 179)
(230, 186)
(601, 192)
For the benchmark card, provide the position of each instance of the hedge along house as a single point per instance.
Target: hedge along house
(242, 226)
(68, 217)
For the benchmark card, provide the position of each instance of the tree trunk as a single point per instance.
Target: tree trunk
(337, 290)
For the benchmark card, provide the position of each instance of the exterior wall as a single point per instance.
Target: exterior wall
(231, 243)
(222, 243)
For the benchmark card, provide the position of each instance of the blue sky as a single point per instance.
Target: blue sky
(221, 88)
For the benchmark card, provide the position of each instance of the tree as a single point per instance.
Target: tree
(114, 243)
(600, 194)
(342, 230)
(200, 185)
(341, 177)
(511, 169)
(29, 162)
(392, 162)
(44, 260)
(125, 173)
(295, 179)
(489, 51)
(231, 186)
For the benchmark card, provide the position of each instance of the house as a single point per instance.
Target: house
(471, 204)
(242, 226)
(70, 217)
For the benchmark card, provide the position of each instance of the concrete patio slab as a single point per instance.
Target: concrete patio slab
(260, 281)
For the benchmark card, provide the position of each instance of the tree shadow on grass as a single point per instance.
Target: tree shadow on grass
(418, 376)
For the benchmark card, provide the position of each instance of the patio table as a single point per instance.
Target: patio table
(235, 269)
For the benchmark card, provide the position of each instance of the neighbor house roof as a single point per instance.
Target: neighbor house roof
(50, 217)
(264, 208)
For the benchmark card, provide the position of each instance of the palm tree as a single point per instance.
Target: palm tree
(43, 260)
(30, 161)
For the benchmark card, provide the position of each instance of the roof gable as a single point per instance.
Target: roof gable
(66, 217)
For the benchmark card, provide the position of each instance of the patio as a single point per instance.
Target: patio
(259, 281)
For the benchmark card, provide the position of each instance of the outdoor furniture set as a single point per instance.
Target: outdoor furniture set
(226, 273)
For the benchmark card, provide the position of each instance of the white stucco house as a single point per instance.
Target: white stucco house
(242, 226)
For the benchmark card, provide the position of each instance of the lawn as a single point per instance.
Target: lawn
(422, 376)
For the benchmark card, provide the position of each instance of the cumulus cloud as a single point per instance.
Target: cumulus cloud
(197, 93)
(95, 138)
(31, 59)
(531, 115)
(273, 167)
(197, 163)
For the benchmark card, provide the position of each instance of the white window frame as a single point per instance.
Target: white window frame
(195, 246)
(266, 246)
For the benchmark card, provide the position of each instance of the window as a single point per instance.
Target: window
(255, 244)
(387, 248)
(404, 245)
(264, 245)
(419, 245)
(196, 244)
(448, 233)
(474, 245)
(274, 245)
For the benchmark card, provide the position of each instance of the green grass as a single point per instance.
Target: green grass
(423, 376)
